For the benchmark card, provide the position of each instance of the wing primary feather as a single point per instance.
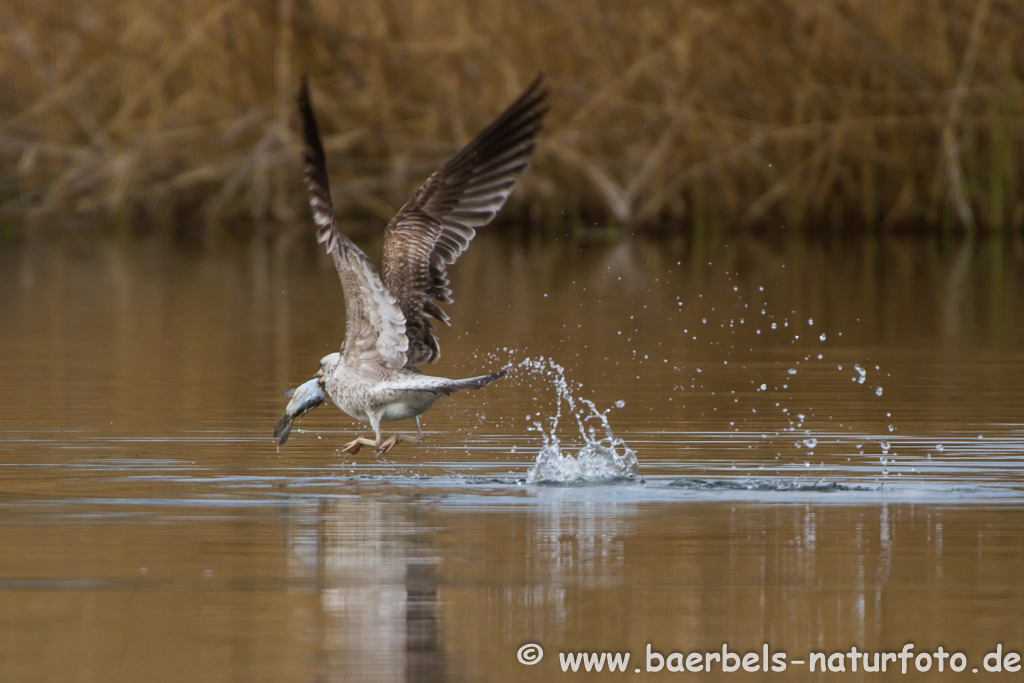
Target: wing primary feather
(375, 326)
(315, 166)
(436, 226)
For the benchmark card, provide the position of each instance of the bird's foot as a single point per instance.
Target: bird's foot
(395, 439)
(354, 446)
(385, 447)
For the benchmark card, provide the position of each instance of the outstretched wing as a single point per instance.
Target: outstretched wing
(374, 324)
(433, 229)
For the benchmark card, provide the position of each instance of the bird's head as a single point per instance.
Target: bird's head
(327, 364)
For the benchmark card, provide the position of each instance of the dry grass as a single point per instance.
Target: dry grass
(709, 115)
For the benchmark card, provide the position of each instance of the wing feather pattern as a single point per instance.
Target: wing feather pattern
(375, 327)
(432, 230)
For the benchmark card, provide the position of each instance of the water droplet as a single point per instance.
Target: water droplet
(878, 391)
(822, 337)
(861, 372)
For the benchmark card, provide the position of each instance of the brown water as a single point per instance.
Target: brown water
(150, 530)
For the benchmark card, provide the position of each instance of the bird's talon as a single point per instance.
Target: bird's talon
(352, 447)
(388, 444)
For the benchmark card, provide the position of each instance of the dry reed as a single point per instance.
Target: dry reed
(703, 115)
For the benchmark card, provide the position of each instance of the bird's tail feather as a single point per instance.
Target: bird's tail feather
(478, 382)
(442, 385)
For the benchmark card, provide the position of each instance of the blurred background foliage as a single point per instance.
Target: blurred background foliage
(700, 116)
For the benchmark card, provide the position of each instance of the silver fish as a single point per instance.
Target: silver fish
(304, 398)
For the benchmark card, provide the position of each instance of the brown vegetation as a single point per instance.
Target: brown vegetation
(708, 115)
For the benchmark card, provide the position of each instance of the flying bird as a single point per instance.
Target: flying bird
(389, 321)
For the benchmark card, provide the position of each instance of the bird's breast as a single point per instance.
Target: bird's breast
(358, 397)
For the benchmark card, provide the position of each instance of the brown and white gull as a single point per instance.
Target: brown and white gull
(388, 326)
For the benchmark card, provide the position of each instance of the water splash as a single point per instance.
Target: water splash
(600, 456)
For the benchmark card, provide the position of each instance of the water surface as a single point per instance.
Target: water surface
(830, 441)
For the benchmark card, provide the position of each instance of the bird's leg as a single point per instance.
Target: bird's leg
(396, 439)
(383, 445)
(354, 446)
(389, 443)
